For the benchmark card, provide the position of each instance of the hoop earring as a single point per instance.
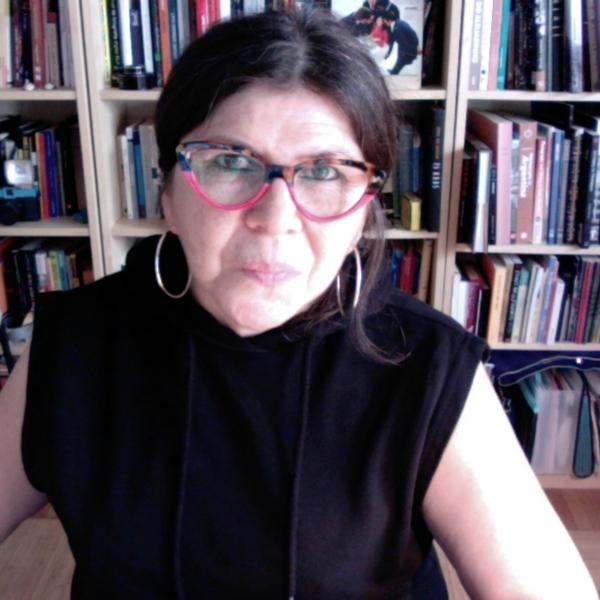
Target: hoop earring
(158, 276)
(357, 284)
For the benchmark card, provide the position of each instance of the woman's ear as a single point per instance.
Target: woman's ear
(166, 203)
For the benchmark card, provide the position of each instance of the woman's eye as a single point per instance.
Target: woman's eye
(235, 162)
(320, 173)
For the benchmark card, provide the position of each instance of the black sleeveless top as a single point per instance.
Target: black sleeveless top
(187, 462)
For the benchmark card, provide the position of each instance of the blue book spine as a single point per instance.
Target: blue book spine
(135, 27)
(558, 138)
(51, 173)
(173, 30)
(157, 55)
(139, 174)
(503, 46)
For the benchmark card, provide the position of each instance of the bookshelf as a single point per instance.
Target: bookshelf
(53, 105)
(517, 101)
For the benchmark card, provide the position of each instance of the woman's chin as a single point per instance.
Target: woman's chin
(249, 320)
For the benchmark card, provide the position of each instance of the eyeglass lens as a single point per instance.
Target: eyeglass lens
(322, 188)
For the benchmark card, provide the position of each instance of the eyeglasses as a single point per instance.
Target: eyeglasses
(233, 177)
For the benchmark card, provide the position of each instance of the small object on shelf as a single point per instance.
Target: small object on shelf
(131, 78)
(411, 211)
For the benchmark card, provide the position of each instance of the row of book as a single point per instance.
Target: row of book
(143, 38)
(542, 45)
(419, 166)
(528, 299)
(32, 266)
(138, 169)
(556, 416)
(41, 168)
(35, 44)
(411, 266)
(531, 180)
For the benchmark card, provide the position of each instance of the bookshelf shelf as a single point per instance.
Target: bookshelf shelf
(526, 96)
(116, 95)
(20, 95)
(57, 227)
(426, 93)
(569, 482)
(560, 346)
(398, 232)
(135, 228)
(563, 249)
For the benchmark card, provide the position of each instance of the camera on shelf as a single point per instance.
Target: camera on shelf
(19, 200)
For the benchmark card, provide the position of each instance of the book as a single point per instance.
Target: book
(411, 211)
(476, 39)
(433, 166)
(495, 273)
(503, 45)
(482, 156)
(513, 289)
(540, 190)
(496, 132)
(573, 23)
(590, 145)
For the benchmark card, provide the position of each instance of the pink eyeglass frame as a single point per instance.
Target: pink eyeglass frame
(376, 178)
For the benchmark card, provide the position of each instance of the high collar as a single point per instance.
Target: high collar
(189, 315)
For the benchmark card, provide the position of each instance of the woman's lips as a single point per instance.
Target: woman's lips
(269, 274)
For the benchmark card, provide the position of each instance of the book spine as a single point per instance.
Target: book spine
(485, 44)
(125, 32)
(593, 305)
(135, 28)
(503, 46)
(139, 173)
(593, 9)
(573, 16)
(17, 43)
(537, 233)
(562, 195)
(541, 32)
(557, 44)
(492, 82)
(146, 28)
(475, 68)
(51, 175)
(129, 164)
(38, 43)
(465, 209)
(587, 187)
(114, 34)
(403, 167)
(584, 301)
(512, 302)
(165, 38)
(201, 17)
(433, 187)
(66, 44)
(547, 296)
(173, 30)
(555, 172)
(156, 42)
(570, 235)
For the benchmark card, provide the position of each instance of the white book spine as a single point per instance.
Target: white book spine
(147, 36)
(481, 207)
(129, 175)
(555, 314)
(146, 130)
(486, 38)
(127, 200)
(125, 32)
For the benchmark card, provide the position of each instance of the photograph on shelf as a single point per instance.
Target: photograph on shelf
(393, 33)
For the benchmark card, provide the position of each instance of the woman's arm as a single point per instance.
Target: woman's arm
(18, 499)
(487, 510)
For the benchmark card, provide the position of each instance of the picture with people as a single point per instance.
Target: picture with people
(392, 31)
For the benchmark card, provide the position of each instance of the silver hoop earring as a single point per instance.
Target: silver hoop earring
(357, 284)
(158, 276)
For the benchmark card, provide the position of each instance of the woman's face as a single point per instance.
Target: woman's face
(256, 268)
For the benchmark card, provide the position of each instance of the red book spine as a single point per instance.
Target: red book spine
(38, 42)
(584, 301)
(40, 150)
(165, 42)
(201, 17)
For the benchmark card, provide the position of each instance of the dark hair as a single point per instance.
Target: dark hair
(310, 49)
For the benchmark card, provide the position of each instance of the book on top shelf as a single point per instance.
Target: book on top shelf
(393, 33)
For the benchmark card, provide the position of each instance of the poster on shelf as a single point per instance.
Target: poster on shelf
(393, 33)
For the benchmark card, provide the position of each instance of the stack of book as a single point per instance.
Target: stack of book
(30, 267)
(419, 164)
(528, 299)
(411, 267)
(35, 44)
(53, 153)
(531, 180)
(542, 45)
(139, 173)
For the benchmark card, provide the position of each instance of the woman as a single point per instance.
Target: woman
(258, 415)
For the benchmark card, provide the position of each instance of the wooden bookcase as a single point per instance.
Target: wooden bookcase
(520, 102)
(53, 106)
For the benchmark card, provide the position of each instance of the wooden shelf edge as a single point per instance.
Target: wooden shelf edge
(399, 233)
(38, 94)
(558, 346)
(57, 227)
(117, 95)
(569, 482)
(138, 227)
(566, 249)
(527, 96)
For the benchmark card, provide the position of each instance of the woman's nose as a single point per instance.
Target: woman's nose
(276, 212)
